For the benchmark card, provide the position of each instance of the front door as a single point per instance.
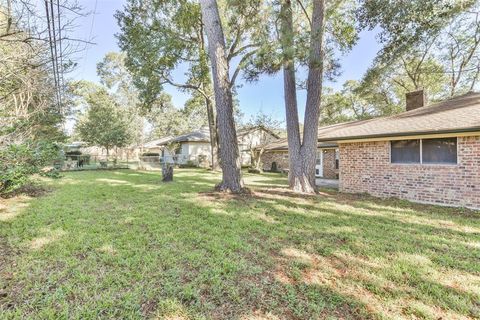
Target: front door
(319, 164)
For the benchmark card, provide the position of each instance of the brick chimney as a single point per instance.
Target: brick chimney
(416, 99)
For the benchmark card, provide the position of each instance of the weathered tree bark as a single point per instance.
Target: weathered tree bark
(167, 172)
(212, 126)
(212, 123)
(227, 136)
(302, 152)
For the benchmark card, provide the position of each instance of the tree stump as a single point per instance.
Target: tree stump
(167, 173)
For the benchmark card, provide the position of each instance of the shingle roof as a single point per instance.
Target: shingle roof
(282, 145)
(459, 114)
(202, 135)
(157, 142)
(248, 129)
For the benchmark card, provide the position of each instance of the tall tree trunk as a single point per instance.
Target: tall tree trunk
(302, 153)
(227, 135)
(213, 133)
(206, 85)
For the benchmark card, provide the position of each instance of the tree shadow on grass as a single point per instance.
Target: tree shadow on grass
(386, 236)
(180, 250)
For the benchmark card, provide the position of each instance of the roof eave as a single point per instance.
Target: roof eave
(401, 134)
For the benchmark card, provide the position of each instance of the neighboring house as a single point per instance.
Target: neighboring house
(275, 158)
(250, 142)
(194, 147)
(428, 154)
(155, 146)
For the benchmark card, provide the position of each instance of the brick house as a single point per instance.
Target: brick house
(275, 158)
(427, 154)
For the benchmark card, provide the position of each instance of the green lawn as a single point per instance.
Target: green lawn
(122, 245)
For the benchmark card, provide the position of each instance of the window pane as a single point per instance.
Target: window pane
(440, 150)
(337, 159)
(406, 151)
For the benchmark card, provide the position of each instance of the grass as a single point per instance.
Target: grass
(122, 245)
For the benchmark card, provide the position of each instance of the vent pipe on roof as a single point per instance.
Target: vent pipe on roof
(416, 99)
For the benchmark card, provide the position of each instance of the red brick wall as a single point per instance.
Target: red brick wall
(365, 167)
(280, 157)
(329, 170)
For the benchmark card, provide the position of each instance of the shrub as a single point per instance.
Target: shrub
(189, 164)
(19, 161)
(274, 167)
(254, 170)
(150, 154)
(73, 153)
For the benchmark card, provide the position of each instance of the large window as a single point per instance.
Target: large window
(428, 151)
(406, 151)
(439, 150)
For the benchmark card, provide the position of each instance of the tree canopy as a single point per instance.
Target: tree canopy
(103, 124)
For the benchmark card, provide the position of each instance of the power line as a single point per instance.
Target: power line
(54, 61)
(54, 34)
(56, 56)
(60, 43)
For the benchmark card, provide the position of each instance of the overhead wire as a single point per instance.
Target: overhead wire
(54, 35)
(52, 52)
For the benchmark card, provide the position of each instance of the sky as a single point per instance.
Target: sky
(266, 95)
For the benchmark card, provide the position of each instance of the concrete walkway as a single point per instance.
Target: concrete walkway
(327, 183)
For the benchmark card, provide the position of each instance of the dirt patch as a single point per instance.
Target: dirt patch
(227, 196)
(30, 190)
(149, 307)
(12, 207)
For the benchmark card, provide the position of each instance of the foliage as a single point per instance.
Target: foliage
(150, 154)
(189, 164)
(356, 101)
(155, 43)
(73, 153)
(103, 124)
(418, 38)
(19, 161)
(30, 117)
(160, 40)
(458, 49)
(167, 120)
(27, 106)
(404, 24)
(115, 76)
(443, 61)
(340, 36)
(257, 133)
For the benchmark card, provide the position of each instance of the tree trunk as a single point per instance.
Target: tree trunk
(227, 136)
(212, 123)
(258, 159)
(302, 153)
(167, 172)
(213, 133)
